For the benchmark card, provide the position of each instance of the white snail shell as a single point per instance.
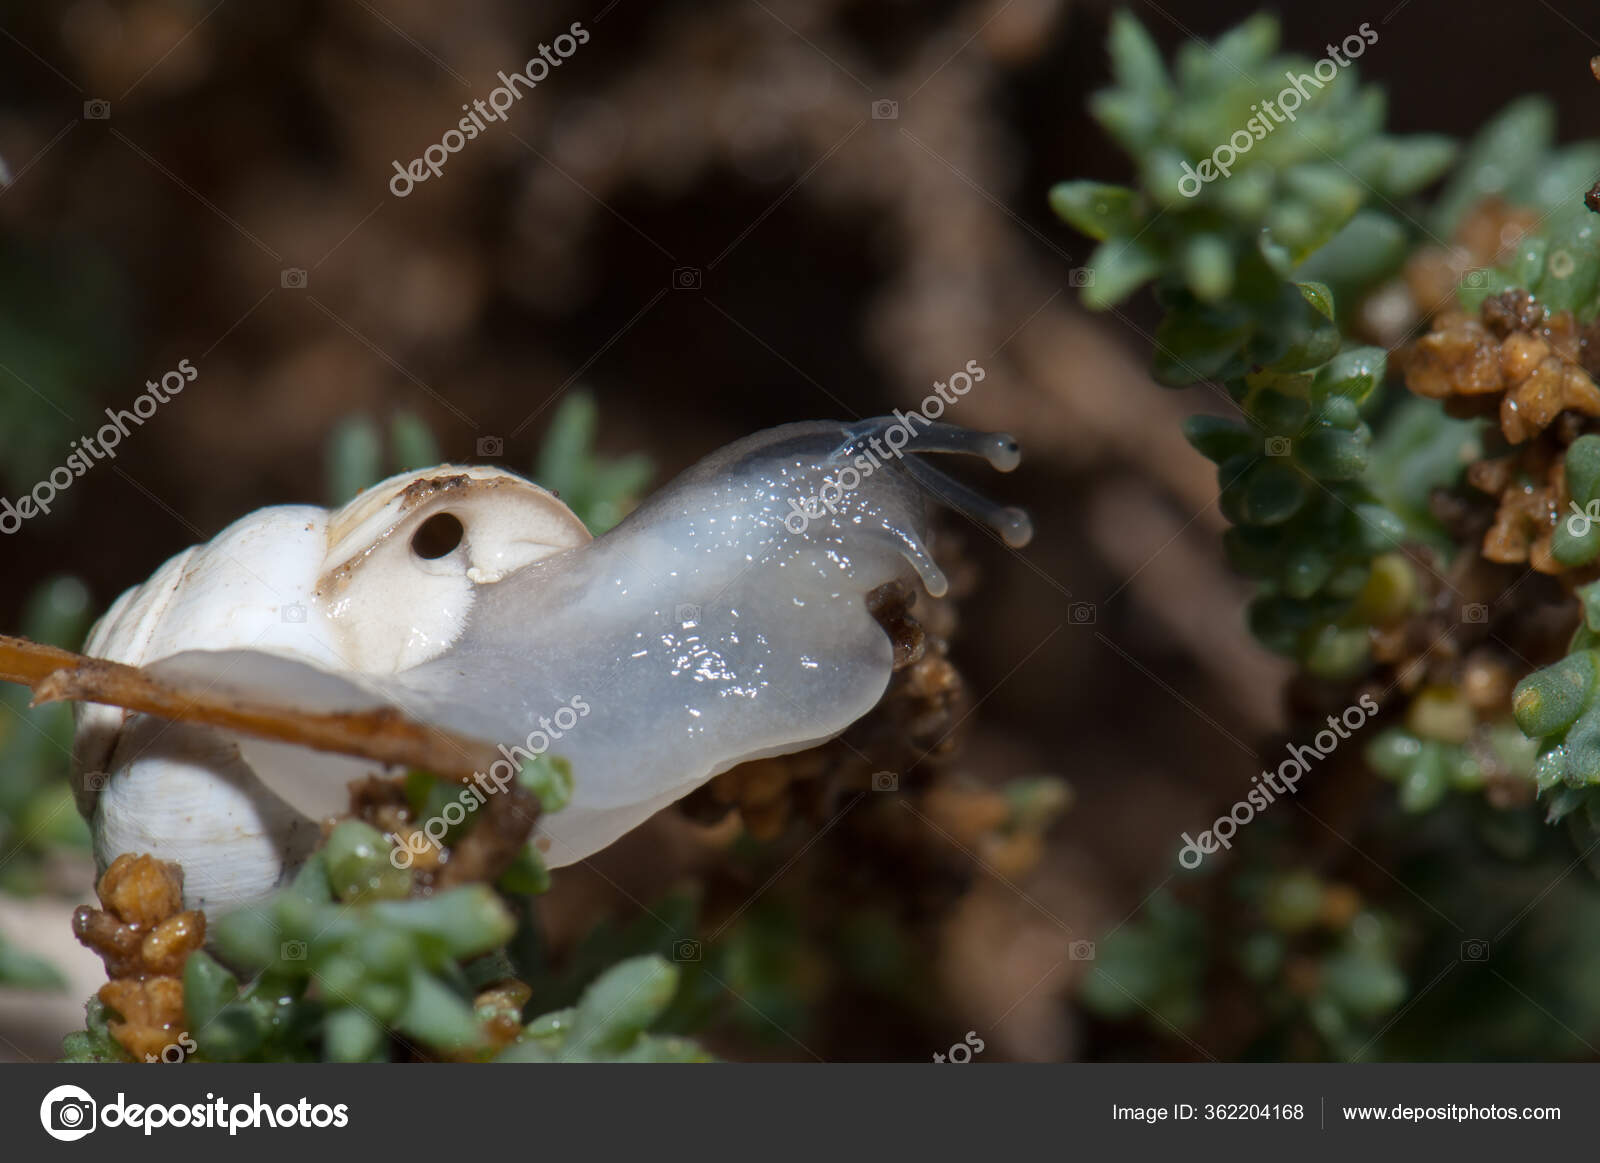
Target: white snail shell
(724, 620)
(341, 590)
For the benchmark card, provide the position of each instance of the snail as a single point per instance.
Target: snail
(725, 619)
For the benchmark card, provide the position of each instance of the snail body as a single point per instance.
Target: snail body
(711, 627)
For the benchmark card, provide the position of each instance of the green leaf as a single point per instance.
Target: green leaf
(1367, 986)
(526, 1052)
(1550, 700)
(354, 458)
(413, 443)
(247, 938)
(1096, 209)
(468, 921)
(1268, 494)
(1503, 150)
(658, 1048)
(23, 970)
(1560, 181)
(207, 988)
(1320, 298)
(1194, 346)
(620, 1005)
(567, 443)
(1208, 266)
(352, 1035)
(1306, 572)
(234, 1034)
(1135, 61)
(1589, 601)
(1426, 781)
(527, 874)
(357, 857)
(1583, 469)
(1393, 752)
(1337, 652)
(311, 882)
(1378, 529)
(1582, 749)
(1333, 455)
(1128, 117)
(1571, 269)
(1362, 253)
(1217, 438)
(1116, 270)
(1353, 373)
(438, 1017)
(1248, 45)
(549, 777)
(1403, 165)
(598, 489)
(94, 1042)
(1280, 413)
(550, 1030)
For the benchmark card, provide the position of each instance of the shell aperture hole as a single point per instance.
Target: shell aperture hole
(439, 535)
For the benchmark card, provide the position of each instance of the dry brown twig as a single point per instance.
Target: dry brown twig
(382, 734)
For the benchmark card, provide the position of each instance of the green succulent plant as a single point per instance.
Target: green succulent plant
(359, 453)
(1515, 158)
(343, 958)
(600, 490)
(1576, 540)
(1239, 264)
(36, 808)
(1289, 475)
(1224, 253)
(1558, 705)
(610, 1021)
(1425, 769)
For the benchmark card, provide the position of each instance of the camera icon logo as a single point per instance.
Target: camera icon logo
(1080, 277)
(1081, 951)
(68, 1113)
(491, 446)
(1082, 613)
(686, 949)
(96, 780)
(1475, 279)
(292, 951)
(97, 110)
(1477, 950)
(885, 781)
(686, 279)
(294, 612)
(687, 614)
(1475, 612)
(884, 109)
(294, 279)
(1278, 446)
